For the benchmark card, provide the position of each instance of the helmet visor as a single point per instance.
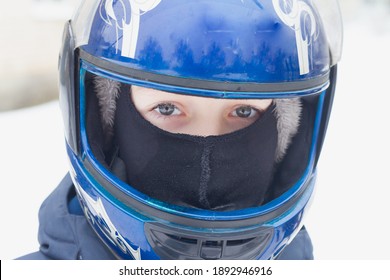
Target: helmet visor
(199, 152)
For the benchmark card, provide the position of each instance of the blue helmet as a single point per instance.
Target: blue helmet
(284, 50)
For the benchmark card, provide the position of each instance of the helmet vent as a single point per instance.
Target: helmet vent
(196, 245)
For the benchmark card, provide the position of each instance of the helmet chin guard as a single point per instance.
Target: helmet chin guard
(281, 50)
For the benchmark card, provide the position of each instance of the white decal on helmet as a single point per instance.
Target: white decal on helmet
(300, 17)
(129, 31)
(100, 218)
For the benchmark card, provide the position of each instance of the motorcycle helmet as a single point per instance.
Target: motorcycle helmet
(284, 50)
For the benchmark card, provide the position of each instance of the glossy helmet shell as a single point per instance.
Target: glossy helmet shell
(220, 49)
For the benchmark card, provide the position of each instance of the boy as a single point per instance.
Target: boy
(193, 129)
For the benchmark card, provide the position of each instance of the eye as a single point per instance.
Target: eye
(245, 112)
(167, 109)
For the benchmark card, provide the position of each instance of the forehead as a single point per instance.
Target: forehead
(153, 95)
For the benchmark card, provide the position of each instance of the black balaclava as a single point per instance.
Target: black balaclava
(225, 172)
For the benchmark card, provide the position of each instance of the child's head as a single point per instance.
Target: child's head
(194, 127)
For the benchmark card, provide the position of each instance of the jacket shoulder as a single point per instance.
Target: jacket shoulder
(300, 248)
(35, 256)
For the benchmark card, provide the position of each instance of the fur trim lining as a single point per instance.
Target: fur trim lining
(107, 92)
(287, 112)
(288, 115)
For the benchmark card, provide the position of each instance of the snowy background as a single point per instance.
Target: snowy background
(349, 217)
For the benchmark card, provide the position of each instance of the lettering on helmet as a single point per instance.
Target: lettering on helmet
(102, 221)
(298, 15)
(126, 15)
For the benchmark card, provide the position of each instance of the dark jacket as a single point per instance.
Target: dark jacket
(65, 234)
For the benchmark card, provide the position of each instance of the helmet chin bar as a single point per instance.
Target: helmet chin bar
(196, 236)
(173, 243)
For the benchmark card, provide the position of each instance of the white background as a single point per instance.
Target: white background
(349, 215)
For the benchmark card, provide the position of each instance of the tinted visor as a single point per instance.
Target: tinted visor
(235, 170)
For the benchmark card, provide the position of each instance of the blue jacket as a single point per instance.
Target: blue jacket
(65, 234)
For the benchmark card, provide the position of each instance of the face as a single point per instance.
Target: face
(194, 115)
